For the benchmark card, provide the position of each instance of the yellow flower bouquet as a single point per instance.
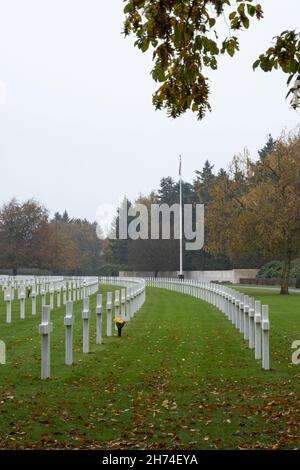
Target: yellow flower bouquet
(119, 324)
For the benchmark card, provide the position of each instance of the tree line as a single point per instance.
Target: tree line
(255, 208)
(252, 216)
(30, 240)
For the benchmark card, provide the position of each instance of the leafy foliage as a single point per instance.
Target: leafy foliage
(284, 55)
(185, 37)
(274, 269)
(28, 239)
(270, 270)
(23, 227)
(256, 209)
(295, 268)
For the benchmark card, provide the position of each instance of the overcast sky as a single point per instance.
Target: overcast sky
(78, 128)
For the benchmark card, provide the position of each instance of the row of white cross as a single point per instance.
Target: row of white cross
(249, 316)
(131, 300)
(70, 288)
(125, 304)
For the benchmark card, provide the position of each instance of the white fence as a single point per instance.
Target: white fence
(133, 294)
(247, 314)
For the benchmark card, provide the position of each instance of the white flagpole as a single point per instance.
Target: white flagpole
(180, 195)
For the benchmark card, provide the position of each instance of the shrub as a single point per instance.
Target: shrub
(295, 268)
(273, 269)
(270, 270)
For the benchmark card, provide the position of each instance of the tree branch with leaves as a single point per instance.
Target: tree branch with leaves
(185, 38)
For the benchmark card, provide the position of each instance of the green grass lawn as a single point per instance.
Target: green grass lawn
(180, 377)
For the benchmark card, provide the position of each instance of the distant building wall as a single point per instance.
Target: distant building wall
(234, 276)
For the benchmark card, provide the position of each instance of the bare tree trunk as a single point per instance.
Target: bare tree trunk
(286, 274)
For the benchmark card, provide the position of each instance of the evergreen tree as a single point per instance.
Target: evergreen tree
(222, 173)
(57, 218)
(205, 178)
(168, 192)
(268, 148)
(65, 218)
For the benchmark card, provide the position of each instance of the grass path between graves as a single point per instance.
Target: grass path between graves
(181, 377)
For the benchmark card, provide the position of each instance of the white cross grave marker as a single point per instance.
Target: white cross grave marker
(257, 320)
(7, 298)
(251, 324)
(64, 294)
(58, 297)
(33, 300)
(246, 317)
(99, 319)
(51, 290)
(86, 325)
(45, 330)
(22, 296)
(117, 305)
(265, 338)
(108, 314)
(123, 304)
(69, 322)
